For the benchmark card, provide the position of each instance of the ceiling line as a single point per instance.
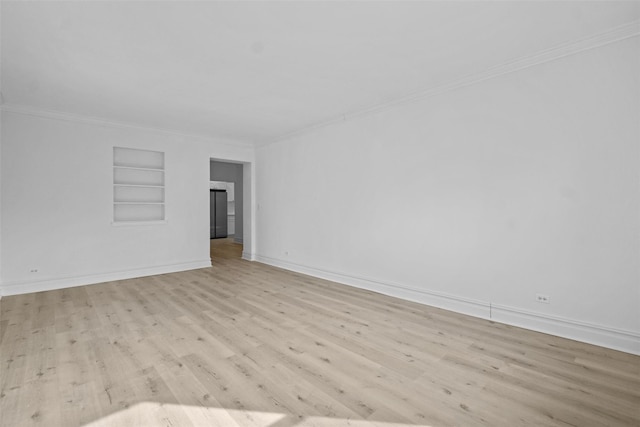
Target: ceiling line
(612, 35)
(616, 34)
(79, 118)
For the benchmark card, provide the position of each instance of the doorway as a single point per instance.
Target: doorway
(228, 178)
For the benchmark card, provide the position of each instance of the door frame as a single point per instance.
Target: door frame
(248, 205)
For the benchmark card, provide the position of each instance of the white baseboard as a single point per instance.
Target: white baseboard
(441, 300)
(627, 341)
(616, 339)
(24, 287)
(248, 256)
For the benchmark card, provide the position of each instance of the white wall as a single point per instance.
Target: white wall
(249, 211)
(1, 102)
(57, 203)
(478, 199)
(1, 238)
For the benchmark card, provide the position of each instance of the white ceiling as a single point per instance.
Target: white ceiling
(257, 71)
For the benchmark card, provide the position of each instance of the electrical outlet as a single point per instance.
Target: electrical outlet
(545, 299)
(33, 270)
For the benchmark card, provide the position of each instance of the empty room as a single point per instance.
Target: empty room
(319, 213)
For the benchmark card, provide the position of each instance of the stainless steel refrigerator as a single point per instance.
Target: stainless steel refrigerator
(218, 212)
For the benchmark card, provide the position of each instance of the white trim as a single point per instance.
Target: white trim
(631, 29)
(617, 339)
(248, 256)
(133, 223)
(612, 35)
(26, 286)
(79, 118)
(436, 299)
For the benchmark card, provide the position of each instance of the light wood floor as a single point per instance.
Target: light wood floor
(250, 345)
(225, 248)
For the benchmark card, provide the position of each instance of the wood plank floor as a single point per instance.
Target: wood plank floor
(225, 248)
(244, 344)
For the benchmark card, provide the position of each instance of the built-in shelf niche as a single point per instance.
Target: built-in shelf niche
(138, 185)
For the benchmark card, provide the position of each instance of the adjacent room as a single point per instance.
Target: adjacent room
(320, 213)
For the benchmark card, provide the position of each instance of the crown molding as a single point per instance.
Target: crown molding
(79, 118)
(631, 29)
(622, 32)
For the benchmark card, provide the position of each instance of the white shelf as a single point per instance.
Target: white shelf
(137, 168)
(138, 186)
(138, 159)
(138, 203)
(130, 223)
(138, 176)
